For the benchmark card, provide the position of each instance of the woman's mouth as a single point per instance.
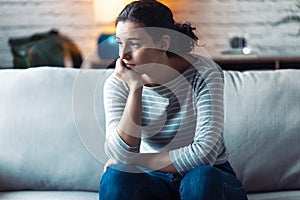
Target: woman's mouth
(130, 66)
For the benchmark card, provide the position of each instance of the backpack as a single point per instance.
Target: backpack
(44, 49)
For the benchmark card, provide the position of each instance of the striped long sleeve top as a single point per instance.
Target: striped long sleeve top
(183, 117)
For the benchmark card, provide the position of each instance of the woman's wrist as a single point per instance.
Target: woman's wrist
(135, 86)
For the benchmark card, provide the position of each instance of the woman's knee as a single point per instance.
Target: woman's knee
(206, 182)
(115, 182)
(203, 176)
(202, 182)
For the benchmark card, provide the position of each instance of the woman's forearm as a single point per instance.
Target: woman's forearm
(156, 161)
(129, 127)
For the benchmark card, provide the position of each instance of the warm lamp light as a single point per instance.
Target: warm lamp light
(107, 11)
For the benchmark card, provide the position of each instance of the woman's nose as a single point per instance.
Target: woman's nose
(124, 52)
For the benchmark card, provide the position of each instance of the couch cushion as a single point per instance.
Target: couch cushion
(283, 195)
(262, 128)
(50, 136)
(52, 128)
(48, 195)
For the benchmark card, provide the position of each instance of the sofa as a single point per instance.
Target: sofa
(52, 132)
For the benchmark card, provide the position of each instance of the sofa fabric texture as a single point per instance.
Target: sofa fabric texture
(262, 128)
(52, 131)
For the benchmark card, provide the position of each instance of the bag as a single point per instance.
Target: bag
(44, 49)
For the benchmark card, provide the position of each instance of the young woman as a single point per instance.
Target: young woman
(164, 114)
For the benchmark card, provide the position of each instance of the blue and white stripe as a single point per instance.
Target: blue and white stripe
(184, 117)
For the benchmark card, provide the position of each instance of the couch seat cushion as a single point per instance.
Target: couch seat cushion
(48, 195)
(285, 195)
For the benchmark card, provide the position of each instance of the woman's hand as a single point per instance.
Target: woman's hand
(109, 163)
(129, 76)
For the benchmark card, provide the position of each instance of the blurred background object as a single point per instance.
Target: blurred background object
(44, 49)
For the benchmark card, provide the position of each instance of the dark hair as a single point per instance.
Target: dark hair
(151, 13)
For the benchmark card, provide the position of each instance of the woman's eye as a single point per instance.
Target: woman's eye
(119, 43)
(134, 44)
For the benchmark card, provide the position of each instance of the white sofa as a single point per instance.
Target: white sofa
(52, 133)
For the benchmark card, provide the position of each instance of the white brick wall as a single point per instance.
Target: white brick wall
(214, 20)
(74, 18)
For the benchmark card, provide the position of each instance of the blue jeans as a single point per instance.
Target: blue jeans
(123, 182)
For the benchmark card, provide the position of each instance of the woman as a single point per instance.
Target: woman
(164, 114)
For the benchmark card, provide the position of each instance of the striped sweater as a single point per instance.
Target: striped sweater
(183, 117)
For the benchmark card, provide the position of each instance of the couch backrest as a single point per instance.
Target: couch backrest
(49, 130)
(52, 128)
(262, 128)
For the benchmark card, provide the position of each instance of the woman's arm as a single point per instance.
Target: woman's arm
(123, 111)
(152, 161)
(207, 147)
(129, 127)
(208, 140)
(156, 161)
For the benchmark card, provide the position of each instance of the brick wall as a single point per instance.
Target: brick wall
(214, 19)
(73, 18)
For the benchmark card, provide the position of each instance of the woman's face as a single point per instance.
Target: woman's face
(136, 46)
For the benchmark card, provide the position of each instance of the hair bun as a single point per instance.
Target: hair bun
(187, 29)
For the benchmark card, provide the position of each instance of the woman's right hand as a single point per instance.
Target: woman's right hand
(129, 76)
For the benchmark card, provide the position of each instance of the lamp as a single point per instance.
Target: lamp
(107, 11)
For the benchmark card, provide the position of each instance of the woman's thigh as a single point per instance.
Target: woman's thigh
(207, 182)
(128, 182)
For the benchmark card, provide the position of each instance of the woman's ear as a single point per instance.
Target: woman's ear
(164, 42)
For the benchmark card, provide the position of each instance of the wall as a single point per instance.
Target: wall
(74, 18)
(214, 19)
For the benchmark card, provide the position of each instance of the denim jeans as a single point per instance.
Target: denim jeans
(123, 182)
